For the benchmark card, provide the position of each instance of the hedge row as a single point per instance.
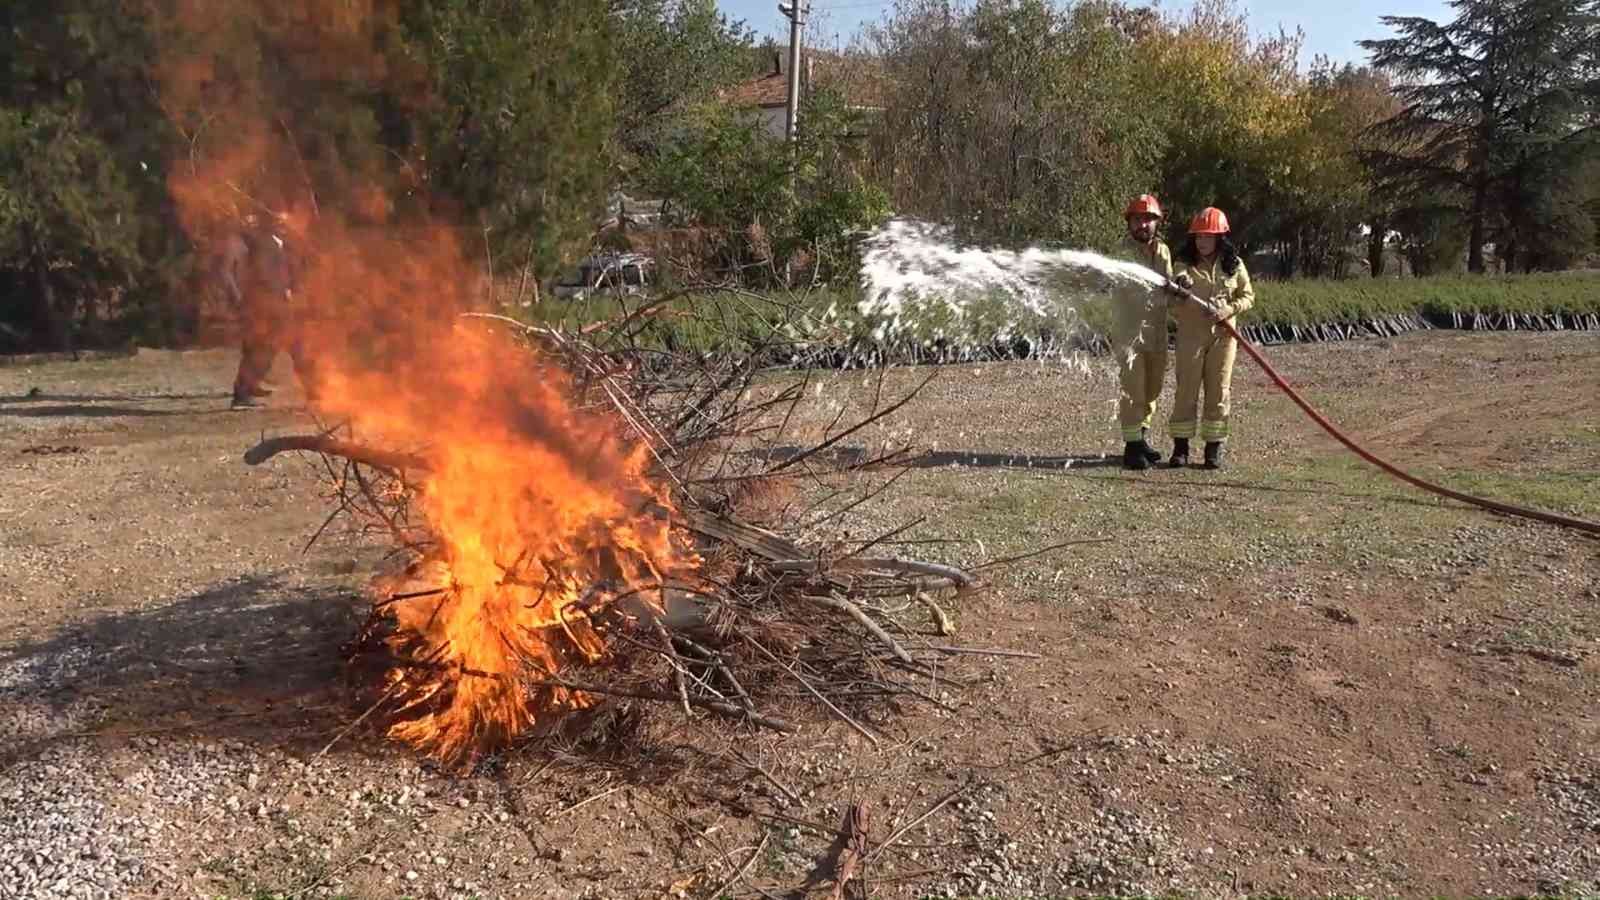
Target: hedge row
(827, 328)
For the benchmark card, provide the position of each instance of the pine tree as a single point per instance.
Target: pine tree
(1493, 101)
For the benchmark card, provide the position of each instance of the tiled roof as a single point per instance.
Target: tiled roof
(860, 80)
(769, 90)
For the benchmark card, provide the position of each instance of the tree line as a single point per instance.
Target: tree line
(1469, 142)
(1026, 120)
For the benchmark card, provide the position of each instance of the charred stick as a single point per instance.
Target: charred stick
(979, 651)
(387, 460)
(864, 498)
(886, 536)
(388, 520)
(715, 660)
(799, 394)
(412, 595)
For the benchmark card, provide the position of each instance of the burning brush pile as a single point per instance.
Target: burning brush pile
(566, 511)
(564, 507)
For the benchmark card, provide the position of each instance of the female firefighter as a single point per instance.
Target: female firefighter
(1139, 334)
(1212, 269)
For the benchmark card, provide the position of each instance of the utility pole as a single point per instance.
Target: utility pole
(796, 10)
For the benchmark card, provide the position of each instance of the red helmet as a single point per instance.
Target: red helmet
(1143, 205)
(1210, 221)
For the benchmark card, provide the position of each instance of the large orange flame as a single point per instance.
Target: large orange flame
(542, 513)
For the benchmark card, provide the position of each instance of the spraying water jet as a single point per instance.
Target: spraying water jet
(906, 260)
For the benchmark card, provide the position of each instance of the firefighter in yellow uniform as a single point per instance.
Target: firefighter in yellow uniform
(1210, 267)
(1139, 334)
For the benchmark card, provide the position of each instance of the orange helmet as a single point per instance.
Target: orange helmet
(1143, 205)
(1210, 221)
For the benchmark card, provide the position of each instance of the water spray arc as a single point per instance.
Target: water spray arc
(907, 261)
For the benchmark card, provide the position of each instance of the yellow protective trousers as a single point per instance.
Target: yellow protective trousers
(1205, 354)
(1141, 370)
(1205, 365)
(1139, 340)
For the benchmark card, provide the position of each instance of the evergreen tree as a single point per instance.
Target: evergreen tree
(1496, 103)
(84, 217)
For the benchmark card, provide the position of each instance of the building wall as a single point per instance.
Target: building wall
(773, 120)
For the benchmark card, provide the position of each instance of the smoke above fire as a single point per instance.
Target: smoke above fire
(538, 512)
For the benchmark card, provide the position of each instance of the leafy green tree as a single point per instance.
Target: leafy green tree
(1493, 102)
(1016, 120)
(781, 212)
(517, 123)
(86, 231)
(1233, 114)
(1326, 193)
(673, 55)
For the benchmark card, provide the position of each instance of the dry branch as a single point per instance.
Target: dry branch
(372, 456)
(873, 628)
(877, 566)
(716, 706)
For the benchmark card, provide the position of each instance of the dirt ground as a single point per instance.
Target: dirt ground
(1290, 677)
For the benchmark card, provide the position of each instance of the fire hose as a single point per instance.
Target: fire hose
(1387, 467)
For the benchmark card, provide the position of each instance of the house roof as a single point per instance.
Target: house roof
(859, 79)
(770, 90)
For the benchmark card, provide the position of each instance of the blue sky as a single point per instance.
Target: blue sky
(1332, 28)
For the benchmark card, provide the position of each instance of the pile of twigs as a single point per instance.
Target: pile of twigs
(778, 623)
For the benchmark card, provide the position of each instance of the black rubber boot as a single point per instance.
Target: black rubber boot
(1133, 456)
(1180, 453)
(1150, 454)
(1214, 455)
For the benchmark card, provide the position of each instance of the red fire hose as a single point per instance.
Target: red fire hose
(1321, 420)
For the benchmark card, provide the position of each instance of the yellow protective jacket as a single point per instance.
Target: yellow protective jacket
(1139, 315)
(1217, 288)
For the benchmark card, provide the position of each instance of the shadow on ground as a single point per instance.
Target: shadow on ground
(855, 456)
(254, 659)
(86, 411)
(46, 397)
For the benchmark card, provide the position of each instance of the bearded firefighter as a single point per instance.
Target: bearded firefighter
(1211, 269)
(259, 275)
(1139, 334)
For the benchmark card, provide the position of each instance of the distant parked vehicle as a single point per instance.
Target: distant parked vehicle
(619, 274)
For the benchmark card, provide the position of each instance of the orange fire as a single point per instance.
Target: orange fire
(542, 514)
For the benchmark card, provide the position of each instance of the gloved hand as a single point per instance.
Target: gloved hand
(1223, 313)
(1183, 280)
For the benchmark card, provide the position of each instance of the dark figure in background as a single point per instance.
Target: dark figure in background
(258, 275)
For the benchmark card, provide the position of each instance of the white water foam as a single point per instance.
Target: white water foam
(914, 273)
